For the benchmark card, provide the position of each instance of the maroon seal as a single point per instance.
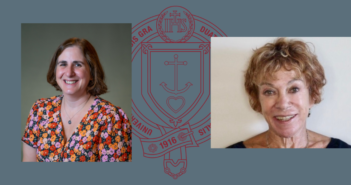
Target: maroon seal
(171, 85)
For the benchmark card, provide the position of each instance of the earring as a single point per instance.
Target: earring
(309, 112)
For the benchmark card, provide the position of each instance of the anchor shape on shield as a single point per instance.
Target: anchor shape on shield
(175, 89)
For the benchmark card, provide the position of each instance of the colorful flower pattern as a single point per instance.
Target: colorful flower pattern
(104, 133)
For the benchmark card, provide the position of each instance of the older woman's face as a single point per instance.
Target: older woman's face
(285, 103)
(72, 72)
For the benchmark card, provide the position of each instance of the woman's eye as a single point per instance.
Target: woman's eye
(78, 65)
(294, 90)
(62, 64)
(268, 92)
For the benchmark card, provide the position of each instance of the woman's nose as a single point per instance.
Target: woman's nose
(283, 101)
(70, 71)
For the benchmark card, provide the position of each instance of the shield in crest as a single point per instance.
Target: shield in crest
(166, 89)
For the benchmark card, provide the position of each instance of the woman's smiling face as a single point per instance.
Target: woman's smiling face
(72, 72)
(285, 103)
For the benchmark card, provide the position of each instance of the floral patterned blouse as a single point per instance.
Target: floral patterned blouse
(104, 134)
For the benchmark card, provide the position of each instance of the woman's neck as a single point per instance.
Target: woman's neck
(299, 140)
(75, 102)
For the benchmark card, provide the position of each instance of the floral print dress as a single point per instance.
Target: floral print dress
(104, 134)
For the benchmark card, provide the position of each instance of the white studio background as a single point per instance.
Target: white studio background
(233, 120)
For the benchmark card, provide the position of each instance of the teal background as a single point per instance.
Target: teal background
(205, 165)
(39, 43)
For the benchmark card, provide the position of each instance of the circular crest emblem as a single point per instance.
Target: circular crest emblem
(171, 61)
(175, 24)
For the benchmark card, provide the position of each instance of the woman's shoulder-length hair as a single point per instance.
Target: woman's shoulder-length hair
(291, 55)
(97, 85)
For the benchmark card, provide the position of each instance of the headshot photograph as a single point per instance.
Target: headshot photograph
(280, 92)
(76, 93)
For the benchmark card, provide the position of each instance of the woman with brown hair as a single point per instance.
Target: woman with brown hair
(284, 80)
(77, 126)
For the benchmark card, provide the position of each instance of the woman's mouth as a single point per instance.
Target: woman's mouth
(285, 118)
(71, 81)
